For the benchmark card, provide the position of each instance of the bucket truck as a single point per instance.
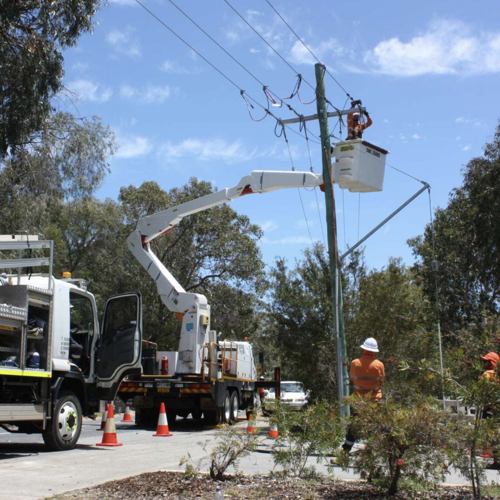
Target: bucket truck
(206, 376)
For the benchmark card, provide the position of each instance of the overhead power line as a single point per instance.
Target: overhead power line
(308, 49)
(273, 49)
(243, 93)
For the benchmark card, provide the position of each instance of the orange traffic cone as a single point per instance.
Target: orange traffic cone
(104, 416)
(109, 436)
(273, 432)
(250, 425)
(127, 417)
(162, 428)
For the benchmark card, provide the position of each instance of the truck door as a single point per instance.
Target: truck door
(119, 349)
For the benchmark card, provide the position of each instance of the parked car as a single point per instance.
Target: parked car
(293, 395)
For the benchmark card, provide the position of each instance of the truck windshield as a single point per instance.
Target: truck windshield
(292, 387)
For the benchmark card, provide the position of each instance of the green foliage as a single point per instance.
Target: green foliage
(314, 431)
(390, 306)
(466, 244)
(482, 433)
(68, 163)
(231, 445)
(33, 34)
(410, 442)
(300, 322)
(214, 252)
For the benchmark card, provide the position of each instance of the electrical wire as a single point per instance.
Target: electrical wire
(270, 46)
(434, 268)
(308, 49)
(247, 97)
(298, 189)
(385, 162)
(315, 190)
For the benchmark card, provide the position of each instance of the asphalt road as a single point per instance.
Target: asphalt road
(30, 472)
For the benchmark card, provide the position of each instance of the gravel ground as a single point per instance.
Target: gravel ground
(173, 486)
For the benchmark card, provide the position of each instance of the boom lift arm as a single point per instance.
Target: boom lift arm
(193, 307)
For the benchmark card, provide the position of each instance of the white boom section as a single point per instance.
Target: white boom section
(194, 307)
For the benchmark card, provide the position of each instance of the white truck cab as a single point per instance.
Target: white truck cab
(56, 363)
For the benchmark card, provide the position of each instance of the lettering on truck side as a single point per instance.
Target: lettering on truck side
(372, 152)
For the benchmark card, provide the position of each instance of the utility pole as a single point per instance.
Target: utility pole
(331, 224)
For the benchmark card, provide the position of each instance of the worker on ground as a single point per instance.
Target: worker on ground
(490, 363)
(355, 126)
(367, 375)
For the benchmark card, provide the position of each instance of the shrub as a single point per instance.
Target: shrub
(313, 431)
(402, 441)
(231, 445)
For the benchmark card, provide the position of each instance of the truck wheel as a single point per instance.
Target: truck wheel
(171, 417)
(66, 425)
(212, 417)
(226, 409)
(145, 417)
(235, 406)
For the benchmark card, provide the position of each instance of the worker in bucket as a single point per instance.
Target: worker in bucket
(367, 375)
(355, 126)
(490, 363)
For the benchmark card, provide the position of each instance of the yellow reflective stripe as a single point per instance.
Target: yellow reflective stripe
(378, 379)
(359, 388)
(25, 373)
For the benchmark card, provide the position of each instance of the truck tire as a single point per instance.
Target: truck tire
(212, 417)
(235, 406)
(171, 417)
(65, 427)
(226, 409)
(145, 417)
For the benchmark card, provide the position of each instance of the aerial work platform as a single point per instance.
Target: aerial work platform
(359, 166)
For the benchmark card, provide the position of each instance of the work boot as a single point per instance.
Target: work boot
(347, 447)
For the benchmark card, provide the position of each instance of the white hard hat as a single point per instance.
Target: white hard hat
(370, 344)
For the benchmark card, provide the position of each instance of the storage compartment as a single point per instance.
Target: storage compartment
(37, 333)
(24, 328)
(359, 166)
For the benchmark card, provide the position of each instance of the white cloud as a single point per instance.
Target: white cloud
(300, 55)
(470, 121)
(216, 150)
(123, 42)
(290, 240)
(149, 95)
(124, 2)
(305, 224)
(254, 51)
(446, 47)
(416, 137)
(205, 150)
(175, 68)
(79, 66)
(466, 147)
(90, 91)
(133, 146)
(269, 225)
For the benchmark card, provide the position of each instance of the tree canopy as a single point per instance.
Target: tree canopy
(467, 241)
(33, 34)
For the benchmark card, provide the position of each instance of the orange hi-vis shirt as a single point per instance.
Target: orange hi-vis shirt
(367, 375)
(490, 375)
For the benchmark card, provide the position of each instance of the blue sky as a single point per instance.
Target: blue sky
(428, 73)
